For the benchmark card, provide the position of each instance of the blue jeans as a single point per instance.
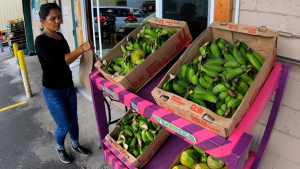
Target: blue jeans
(1, 46)
(62, 104)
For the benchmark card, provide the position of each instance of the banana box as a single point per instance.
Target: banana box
(261, 39)
(144, 72)
(147, 154)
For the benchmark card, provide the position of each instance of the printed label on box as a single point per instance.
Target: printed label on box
(175, 129)
(110, 92)
(134, 106)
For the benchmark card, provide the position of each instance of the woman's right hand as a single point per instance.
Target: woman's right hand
(89, 45)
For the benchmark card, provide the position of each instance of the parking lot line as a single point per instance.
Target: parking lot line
(15, 105)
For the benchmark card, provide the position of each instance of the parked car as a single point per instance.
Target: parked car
(120, 12)
(125, 29)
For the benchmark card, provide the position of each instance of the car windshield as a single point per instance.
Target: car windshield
(145, 19)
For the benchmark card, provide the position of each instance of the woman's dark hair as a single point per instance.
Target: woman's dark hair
(45, 9)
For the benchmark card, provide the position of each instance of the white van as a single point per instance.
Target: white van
(120, 12)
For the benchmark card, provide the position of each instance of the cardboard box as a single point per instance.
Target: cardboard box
(147, 154)
(87, 61)
(261, 39)
(144, 72)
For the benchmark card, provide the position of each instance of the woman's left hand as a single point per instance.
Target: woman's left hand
(89, 45)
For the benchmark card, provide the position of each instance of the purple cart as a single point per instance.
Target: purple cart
(233, 150)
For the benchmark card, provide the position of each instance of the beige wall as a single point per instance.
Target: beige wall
(105, 2)
(66, 28)
(10, 10)
(280, 15)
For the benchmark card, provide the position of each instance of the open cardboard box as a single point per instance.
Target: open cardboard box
(261, 39)
(147, 154)
(156, 61)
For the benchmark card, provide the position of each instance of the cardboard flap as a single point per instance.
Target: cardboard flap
(247, 29)
(86, 67)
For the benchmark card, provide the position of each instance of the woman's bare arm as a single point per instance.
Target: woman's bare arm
(71, 57)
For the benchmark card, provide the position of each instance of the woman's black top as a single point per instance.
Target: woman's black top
(51, 53)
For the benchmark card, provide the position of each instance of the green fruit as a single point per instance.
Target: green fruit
(189, 158)
(198, 150)
(214, 163)
(137, 54)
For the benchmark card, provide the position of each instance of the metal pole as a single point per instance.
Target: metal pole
(237, 11)
(93, 25)
(99, 30)
(212, 11)
(15, 48)
(24, 74)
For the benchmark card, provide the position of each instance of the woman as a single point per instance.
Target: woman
(55, 57)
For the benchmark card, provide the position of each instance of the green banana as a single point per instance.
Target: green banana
(244, 53)
(218, 89)
(244, 87)
(133, 142)
(230, 48)
(216, 68)
(204, 95)
(254, 61)
(219, 104)
(144, 136)
(191, 72)
(209, 72)
(136, 153)
(225, 73)
(224, 107)
(258, 56)
(198, 101)
(223, 41)
(234, 103)
(139, 61)
(124, 50)
(131, 48)
(244, 45)
(196, 60)
(120, 135)
(227, 55)
(228, 98)
(182, 82)
(149, 136)
(209, 55)
(215, 49)
(211, 86)
(223, 95)
(238, 56)
(232, 64)
(204, 48)
(234, 73)
(126, 70)
(220, 112)
(245, 78)
(184, 70)
(207, 78)
(229, 69)
(221, 45)
(128, 132)
(168, 86)
(111, 70)
(218, 61)
(127, 118)
(171, 31)
(239, 96)
(181, 91)
(195, 78)
(129, 128)
(203, 82)
(117, 61)
(150, 32)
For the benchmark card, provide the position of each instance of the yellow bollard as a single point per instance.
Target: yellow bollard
(24, 73)
(15, 47)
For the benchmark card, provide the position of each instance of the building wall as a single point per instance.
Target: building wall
(66, 27)
(10, 10)
(280, 15)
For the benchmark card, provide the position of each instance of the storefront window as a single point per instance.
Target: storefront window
(194, 12)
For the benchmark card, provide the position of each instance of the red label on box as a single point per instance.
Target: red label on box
(164, 106)
(159, 143)
(122, 151)
(170, 22)
(233, 27)
(160, 21)
(196, 109)
(177, 100)
(138, 80)
(250, 29)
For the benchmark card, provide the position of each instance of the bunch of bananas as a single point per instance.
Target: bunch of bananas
(137, 133)
(147, 42)
(219, 78)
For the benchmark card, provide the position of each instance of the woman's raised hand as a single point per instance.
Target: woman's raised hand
(89, 45)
